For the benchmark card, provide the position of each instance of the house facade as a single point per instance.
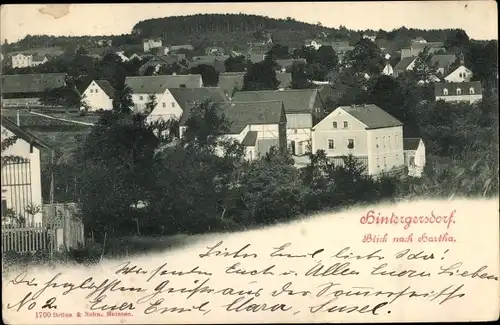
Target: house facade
(313, 44)
(21, 178)
(470, 92)
(366, 132)
(460, 74)
(388, 70)
(151, 44)
(144, 86)
(258, 126)
(303, 108)
(99, 96)
(26, 89)
(21, 60)
(442, 63)
(175, 101)
(406, 64)
(414, 156)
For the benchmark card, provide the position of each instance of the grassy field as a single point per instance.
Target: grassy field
(60, 135)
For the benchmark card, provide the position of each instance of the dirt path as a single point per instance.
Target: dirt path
(62, 119)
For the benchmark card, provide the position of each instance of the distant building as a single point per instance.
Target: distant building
(99, 95)
(366, 132)
(313, 44)
(21, 60)
(122, 56)
(470, 92)
(214, 50)
(370, 35)
(231, 81)
(405, 64)
(416, 48)
(175, 48)
(174, 101)
(286, 64)
(414, 156)
(26, 89)
(258, 126)
(442, 63)
(341, 48)
(388, 70)
(21, 179)
(460, 74)
(104, 42)
(303, 108)
(151, 44)
(420, 40)
(143, 87)
(159, 61)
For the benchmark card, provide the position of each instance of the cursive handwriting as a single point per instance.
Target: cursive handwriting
(224, 253)
(345, 254)
(454, 270)
(160, 271)
(279, 252)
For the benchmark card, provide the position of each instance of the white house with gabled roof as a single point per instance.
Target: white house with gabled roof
(460, 74)
(98, 96)
(366, 132)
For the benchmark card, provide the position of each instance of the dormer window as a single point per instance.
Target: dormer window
(459, 91)
(334, 125)
(471, 90)
(445, 91)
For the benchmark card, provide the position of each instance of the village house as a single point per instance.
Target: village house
(258, 126)
(122, 56)
(370, 35)
(21, 178)
(460, 74)
(185, 47)
(145, 86)
(104, 42)
(285, 80)
(341, 48)
(405, 64)
(416, 48)
(174, 101)
(303, 108)
(21, 60)
(218, 62)
(388, 70)
(470, 92)
(156, 62)
(366, 132)
(26, 89)
(414, 156)
(214, 50)
(99, 96)
(420, 40)
(151, 44)
(442, 63)
(312, 43)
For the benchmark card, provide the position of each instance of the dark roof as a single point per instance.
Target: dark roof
(452, 88)
(229, 80)
(181, 47)
(23, 134)
(248, 113)
(158, 84)
(372, 116)
(186, 96)
(285, 79)
(32, 83)
(250, 139)
(443, 60)
(411, 143)
(404, 63)
(106, 87)
(295, 100)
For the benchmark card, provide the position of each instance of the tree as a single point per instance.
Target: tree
(423, 68)
(261, 76)
(316, 71)
(205, 124)
(327, 57)
(122, 101)
(236, 64)
(208, 73)
(151, 104)
(278, 52)
(299, 76)
(366, 57)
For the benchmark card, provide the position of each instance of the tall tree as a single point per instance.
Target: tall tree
(278, 52)
(299, 76)
(366, 57)
(208, 73)
(122, 101)
(236, 64)
(261, 76)
(327, 57)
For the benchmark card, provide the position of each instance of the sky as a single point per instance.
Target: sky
(478, 18)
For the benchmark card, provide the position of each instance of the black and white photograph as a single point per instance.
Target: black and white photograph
(219, 162)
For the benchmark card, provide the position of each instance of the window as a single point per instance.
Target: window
(350, 143)
(334, 124)
(164, 105)
(471, 91)
(4, 206)
(91, 91)
(385, 161)
(378, 162)
(383, 140)
(141, 97)
(459, 91)
(397, 142)
(295, 131)
(445, 91)
(346, 125)
(389, 142)
(182, 86)
(173, 104)
(397, 157)
(331, 144)
(376, 142)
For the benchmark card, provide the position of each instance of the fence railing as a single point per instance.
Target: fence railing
(60, 230)
(29, 239)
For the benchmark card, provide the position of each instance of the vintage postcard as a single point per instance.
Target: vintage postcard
(250, 162)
